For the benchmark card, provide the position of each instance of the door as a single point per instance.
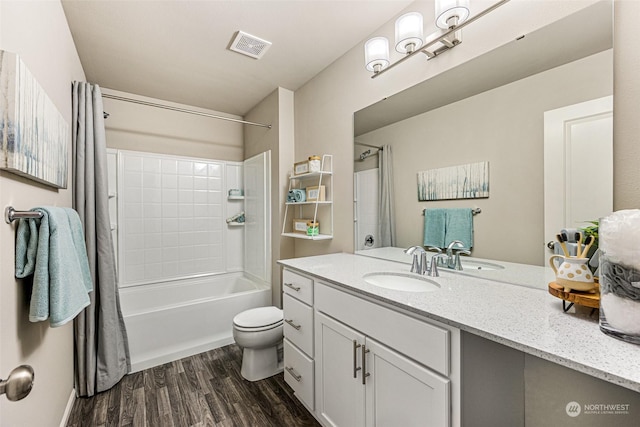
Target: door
(578, 165)
(339, 390)
(257, 207)
(400, 392)
(366, 202)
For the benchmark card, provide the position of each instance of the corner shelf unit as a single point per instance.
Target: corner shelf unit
(319, 208)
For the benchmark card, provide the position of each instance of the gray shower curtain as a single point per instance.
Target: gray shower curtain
(101, 346)
(386, 213)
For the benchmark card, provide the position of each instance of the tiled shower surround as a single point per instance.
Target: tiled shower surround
(172, 214)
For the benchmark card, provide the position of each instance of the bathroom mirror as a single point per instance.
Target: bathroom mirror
(491, 109)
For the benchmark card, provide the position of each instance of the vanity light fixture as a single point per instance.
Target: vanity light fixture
(409, 32)
(376, 54)
(451, 17)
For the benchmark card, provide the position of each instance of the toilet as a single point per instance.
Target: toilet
(259, 332)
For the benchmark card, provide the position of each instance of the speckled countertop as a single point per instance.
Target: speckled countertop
(526, 318)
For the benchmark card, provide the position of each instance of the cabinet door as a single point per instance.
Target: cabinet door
(340, 395)
(400, 392)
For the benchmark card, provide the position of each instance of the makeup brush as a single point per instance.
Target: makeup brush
(578, 238)
(588, 242)
(561, 238)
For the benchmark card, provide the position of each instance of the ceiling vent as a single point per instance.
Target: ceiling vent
(249, 45)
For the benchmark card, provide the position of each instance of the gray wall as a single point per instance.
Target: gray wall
(504, 126)
(277, 110)
(143, 128)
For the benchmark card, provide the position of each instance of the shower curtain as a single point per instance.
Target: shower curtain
(101, 346)
(386, 214)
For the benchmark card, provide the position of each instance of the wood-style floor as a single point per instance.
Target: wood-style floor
(202, 390)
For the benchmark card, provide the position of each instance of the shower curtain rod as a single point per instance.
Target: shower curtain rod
(181, 110)
(368, 145)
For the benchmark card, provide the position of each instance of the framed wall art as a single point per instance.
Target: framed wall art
(470, 181)
(34, 137)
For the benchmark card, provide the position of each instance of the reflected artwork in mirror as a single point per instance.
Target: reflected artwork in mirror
(491, 108)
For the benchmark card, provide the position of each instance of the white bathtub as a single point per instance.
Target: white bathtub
(168, 321)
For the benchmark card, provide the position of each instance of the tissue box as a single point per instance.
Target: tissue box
(300, 225)
(316, 194)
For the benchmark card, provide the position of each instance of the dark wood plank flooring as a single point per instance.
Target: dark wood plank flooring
(202, 390)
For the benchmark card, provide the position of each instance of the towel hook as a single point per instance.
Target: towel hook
(10, 214)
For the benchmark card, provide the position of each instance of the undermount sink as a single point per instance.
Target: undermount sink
(480, 266)
(401, 282)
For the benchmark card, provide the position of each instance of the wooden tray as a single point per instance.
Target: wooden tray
(586, 299)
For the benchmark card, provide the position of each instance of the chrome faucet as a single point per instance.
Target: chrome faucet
(420, 263)
(450, 258)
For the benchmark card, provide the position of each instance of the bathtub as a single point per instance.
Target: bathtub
(171, 320)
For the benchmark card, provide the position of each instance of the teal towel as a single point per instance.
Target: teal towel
(53, 250)
(459, 226)
(434, 227)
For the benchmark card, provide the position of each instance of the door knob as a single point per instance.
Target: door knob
(19, 383)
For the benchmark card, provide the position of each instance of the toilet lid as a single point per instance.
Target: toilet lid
(258, 317)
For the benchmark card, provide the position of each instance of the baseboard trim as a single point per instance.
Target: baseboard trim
(69, 407)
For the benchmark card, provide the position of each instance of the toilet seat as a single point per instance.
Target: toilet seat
(258, 319)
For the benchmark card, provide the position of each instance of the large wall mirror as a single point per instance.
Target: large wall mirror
(492, 109)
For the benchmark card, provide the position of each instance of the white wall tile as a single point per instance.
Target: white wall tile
(173, 214)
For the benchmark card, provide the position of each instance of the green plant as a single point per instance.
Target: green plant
(591, 230)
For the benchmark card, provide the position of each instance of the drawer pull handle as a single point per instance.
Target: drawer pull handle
(365, 374)
(356, 346)
(290, 285)
(293, 325)
(293, 373)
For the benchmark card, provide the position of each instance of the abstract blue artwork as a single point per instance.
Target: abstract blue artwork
(34, 137)
(470, 181)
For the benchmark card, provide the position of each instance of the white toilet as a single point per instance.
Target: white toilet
(259, 332)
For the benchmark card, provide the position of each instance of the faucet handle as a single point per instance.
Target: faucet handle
(434, 249)
(416, 266)
(458, 265)
(433, 271)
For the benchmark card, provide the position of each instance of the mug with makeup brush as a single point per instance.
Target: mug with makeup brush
(572, 272)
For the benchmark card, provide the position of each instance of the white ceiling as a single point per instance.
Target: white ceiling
(177, 50)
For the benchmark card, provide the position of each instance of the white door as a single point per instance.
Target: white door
(400, 392)
(339, 390)
(366, 202)
(578, 165)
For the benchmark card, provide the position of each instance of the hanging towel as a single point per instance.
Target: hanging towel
(434, 227)
(53, 250)
(459, 226)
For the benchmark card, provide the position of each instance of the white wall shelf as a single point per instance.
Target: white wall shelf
(235, 197)
(235, 224)
(317, 210)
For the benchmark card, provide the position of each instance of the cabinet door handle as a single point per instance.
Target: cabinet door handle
(356, 346)
(365, 374)
(293, 373)
(293, 325)
(290, 285)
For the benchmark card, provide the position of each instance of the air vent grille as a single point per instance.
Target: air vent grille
(249, 45)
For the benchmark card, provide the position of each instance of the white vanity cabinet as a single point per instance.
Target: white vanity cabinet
(297, 303)
(378, 367)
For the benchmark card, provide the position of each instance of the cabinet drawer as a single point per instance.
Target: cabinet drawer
(298, 324)
(298, 373)
(298, 286)
(424, 342)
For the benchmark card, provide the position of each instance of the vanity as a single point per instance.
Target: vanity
(469, 351)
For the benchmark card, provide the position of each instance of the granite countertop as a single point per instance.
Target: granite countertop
(526, 318)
